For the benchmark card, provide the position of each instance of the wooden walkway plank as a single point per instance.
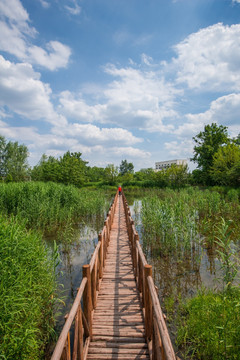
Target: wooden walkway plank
(118, 330)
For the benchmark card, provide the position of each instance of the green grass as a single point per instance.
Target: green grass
(209, 326)
(27, 287)
(173, 220)
(49, 206)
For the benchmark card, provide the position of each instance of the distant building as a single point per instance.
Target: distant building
(166, 164)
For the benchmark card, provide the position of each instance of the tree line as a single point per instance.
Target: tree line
(216, 155)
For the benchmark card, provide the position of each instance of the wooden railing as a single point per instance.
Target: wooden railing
(159, 342)
(79, 320)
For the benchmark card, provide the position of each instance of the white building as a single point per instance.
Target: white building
(166, 164)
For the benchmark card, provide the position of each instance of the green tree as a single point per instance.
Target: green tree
(207, 143)
(72, 169)
(144, 174)
(47, 169)
(226, 165)
(13, 160)
(111, 173)
(68, 169)
(16, 161)
(95, 173)
(126, 168)
(2, 156)
(177, 175)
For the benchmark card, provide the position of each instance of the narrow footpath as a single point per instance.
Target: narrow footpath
(118, 325)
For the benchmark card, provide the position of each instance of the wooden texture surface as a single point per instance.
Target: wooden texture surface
(118, 330)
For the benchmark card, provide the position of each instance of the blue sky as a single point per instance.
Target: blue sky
(115, 80)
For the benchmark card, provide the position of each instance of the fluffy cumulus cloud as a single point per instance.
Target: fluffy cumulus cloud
(22, 92)
(210, 58)
(225, 111)
(56, 56)
(75, 107)
(179, 149)
(91, 134)
(135, 98)
(17, 37)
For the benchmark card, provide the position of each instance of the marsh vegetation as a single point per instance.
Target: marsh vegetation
(191, 237)
(42, 228)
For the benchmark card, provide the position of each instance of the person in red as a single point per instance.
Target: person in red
(120, 190)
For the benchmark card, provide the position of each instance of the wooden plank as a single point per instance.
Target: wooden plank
(118, 330)
(108, 344)
(118, 357)
(117, 350)
(119, 339)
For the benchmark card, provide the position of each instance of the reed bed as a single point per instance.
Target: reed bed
(27, 292)
(174, 220)
(175, 224)
(49, 206)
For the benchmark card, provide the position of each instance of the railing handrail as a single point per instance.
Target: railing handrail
(63, 336)
(169, 353)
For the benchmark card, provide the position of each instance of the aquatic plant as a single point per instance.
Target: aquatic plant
(50, 206)
(27, 292)
(169, 224)
(208, 326)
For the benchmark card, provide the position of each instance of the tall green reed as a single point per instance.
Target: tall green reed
(50, 206)
(27, 292)
(175, 219)
(209, 323)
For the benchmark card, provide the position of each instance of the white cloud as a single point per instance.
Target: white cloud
(210, 58)
(58, 142)
(224, 110)
(74, 9)
(236, 1)
(146, 59)
(16, 38)
(133, 99)
(56, 58)
(75, 107)
(130, 152)
(14, 11)
(23, 93)
(90, 134)
(44, 4)
(179, 149)
(11, 40)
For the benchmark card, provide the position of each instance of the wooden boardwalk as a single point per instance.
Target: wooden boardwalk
(116, 313)
(118, 330)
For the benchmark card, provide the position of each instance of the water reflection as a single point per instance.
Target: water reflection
(73, 255)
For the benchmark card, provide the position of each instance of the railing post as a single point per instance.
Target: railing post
(135, 267)
(140, 278)
(80, 333)
(66, 354)
(94, 285)
(75, 342)
(87, 297)
(147, 302)
(106, 236)
(100, 238)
